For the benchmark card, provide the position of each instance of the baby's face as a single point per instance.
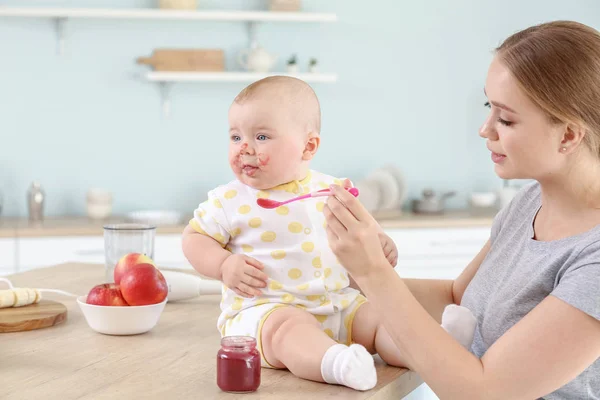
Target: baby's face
(266, 143)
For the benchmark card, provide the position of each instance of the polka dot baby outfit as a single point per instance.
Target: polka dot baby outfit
(291, 242)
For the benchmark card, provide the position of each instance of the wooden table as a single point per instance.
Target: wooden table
(175, 360)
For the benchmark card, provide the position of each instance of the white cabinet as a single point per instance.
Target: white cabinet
(436, 253)
(7, 256)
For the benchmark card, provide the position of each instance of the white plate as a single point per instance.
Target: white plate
(155, 217)
(388, 187)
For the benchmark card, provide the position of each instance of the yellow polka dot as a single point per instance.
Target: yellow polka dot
(320, 206)
(229, 321)
(274, 285)
(345, 304)
(343, 276)
(313, 297)
(307, 231)
(317, 274)
(321, 318)
(295, 227)
(230, 194)
(283, 210)
(337, 182)
(338, 285)
(255, 222)
(217, 203)
(268, 236)
(245, 209)
(225, 288)
(329, 333)
(325, 303)
(316, 262)
(262, 195)
(246, 248)
(301, 306)
(327, 272)
(323, 185)
(237, 303)
(304, 286)
(323, 298)
(308, 246)
(305, 190)
(261, 302)
(219, 238)
(295, 273)
(236, 232)
(287, 298)
(278, 254)
(239, 317)
(201, 213)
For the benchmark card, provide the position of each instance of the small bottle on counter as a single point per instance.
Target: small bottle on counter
(238, 365)
(35, 202)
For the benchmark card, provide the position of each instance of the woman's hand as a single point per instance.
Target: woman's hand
(353, 234)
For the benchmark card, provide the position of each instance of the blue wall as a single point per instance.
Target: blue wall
(410, 84)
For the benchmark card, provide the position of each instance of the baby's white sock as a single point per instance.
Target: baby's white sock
(349, 366)
(459, 322)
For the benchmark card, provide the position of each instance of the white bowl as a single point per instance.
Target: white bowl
(483, 199)
(155, 217)
(126, 320)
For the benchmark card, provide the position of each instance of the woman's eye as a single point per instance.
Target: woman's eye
(504, 122)
(235, 138)
(261, 137)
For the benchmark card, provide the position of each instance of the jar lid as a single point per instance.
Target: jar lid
(238, 342)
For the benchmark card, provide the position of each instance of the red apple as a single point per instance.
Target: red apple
(143, 285)
(129, 261)
(107, 294)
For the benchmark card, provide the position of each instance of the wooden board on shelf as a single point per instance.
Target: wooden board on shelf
(190, 60)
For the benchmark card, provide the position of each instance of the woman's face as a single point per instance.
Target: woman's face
(523, 141)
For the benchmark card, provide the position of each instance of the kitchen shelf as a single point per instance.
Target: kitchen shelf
(171, 77)
(208, 15)
(61, 15)
(167, 79)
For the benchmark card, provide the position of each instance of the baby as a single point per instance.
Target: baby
(282, 284)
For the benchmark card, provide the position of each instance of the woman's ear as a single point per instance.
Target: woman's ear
(572, 138)
(311, 147)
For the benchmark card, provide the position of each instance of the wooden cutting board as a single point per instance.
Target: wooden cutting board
(185, 60)
(34, 316)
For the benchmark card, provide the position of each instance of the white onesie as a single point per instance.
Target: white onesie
(291, 242)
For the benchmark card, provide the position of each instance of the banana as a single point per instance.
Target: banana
(19, 297)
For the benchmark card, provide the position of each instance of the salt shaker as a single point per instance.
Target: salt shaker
(35, 201)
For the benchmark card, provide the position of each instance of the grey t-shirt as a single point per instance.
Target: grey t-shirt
(519, 272)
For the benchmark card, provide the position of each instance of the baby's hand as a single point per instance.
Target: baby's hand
(389, 248)
(243, 275)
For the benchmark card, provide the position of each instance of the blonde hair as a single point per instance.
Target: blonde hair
(302, 97)
(557, 65)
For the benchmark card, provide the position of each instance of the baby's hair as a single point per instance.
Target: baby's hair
(299, 93)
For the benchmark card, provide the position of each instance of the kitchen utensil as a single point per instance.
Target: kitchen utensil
(35, 202)
(44, 314)
(431, 203)
(183, 286)
(181, 60)
(122, 239)
(256, 59)
(155, 217)
(126, 320)
(178, 4)
(269, 203)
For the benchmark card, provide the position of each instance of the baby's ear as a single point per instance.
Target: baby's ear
(311, 147)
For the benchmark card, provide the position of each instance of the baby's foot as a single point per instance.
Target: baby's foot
(459, 322)
(349, 366)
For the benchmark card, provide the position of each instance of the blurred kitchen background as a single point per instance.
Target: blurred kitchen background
(408, 92)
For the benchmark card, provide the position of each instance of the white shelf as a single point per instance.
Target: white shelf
(246, 16)
(167, 79)
(173, 77)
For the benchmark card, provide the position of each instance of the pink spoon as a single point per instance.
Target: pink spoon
(268, 203)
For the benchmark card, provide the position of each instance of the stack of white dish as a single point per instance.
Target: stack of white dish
(99, 203)
(383, 189)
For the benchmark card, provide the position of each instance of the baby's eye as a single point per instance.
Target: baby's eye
(261, 137)
(235, 138)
